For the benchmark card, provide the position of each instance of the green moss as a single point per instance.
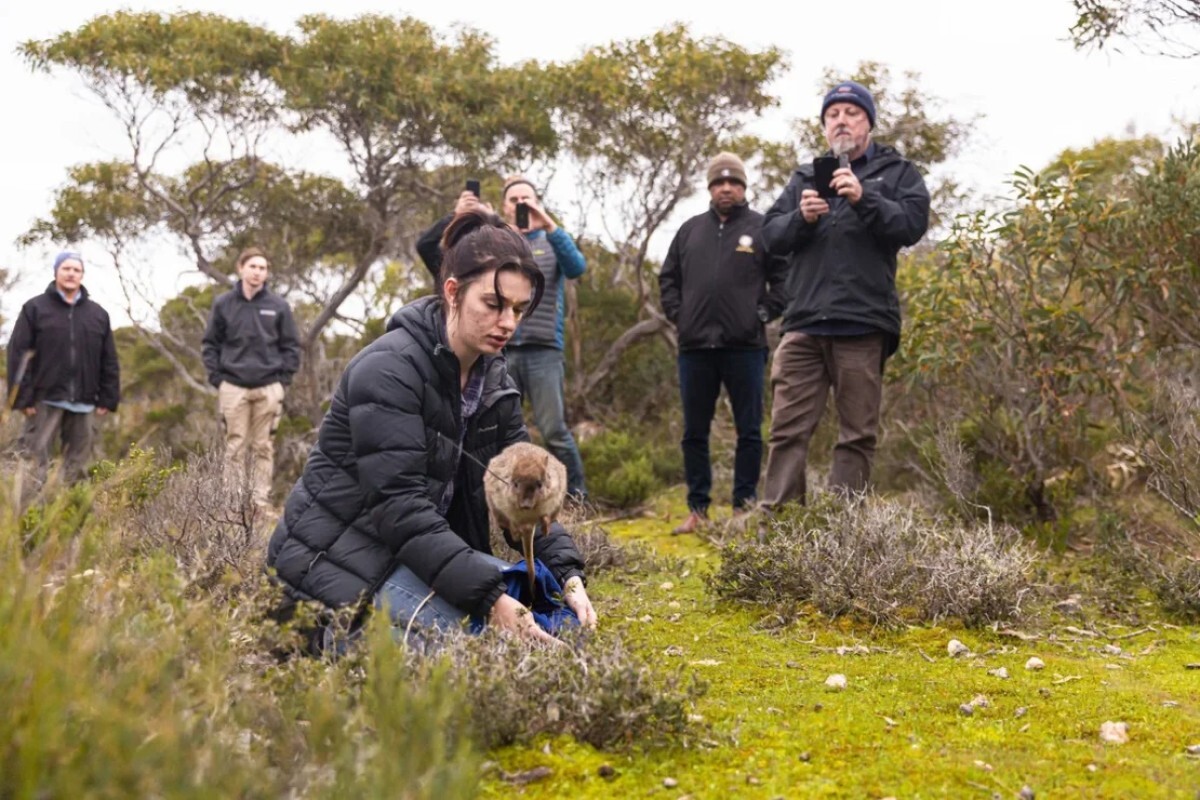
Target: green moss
(767, 706)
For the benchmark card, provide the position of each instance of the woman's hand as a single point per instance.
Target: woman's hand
(509, 615)
(576, 598)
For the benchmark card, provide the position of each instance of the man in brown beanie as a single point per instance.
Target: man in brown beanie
(720, 288)
(843, 315)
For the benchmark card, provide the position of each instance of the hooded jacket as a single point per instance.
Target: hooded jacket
(367, 500)
(75, 357)
(250, 343)
(843, 266)
(718, 284)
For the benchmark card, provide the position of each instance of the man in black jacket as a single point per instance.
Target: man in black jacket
(251, 351)
(62, 366)
(720, 287)
(843, 315)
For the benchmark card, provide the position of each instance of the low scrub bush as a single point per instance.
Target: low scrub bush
(881, 561)
(621, 468)
(596, 690)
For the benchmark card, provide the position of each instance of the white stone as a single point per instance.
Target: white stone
(1035, 663)
(1114, 732)
(956, 648)
(837, 682)
(999, 672)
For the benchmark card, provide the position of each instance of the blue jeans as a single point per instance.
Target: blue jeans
(701, 375)
(539, 373)
(404, 595)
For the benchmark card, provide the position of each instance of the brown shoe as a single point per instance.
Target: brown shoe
(694, 520)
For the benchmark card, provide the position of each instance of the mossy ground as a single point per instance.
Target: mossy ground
(772, 729)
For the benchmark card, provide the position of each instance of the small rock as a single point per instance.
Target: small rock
(1044, 692)
(667, 586)
(793, 665)
(1035, 663)
(1112, 650)
(956, 649)
(983, 765)
(1170, 704)
(1193, 749)
(1114, 732)
(837, 682)
(1091, 768)
(674, 604)
(1020, 712)
(999, 672)
(1026, 793)
(607, 772)
(981, 701)
(1069, 606)
(805, 757)
(966, 709)
(753, 781)
(645, 618)
(670, 783)
(817, 706)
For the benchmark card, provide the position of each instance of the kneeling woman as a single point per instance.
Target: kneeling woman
(391, 503)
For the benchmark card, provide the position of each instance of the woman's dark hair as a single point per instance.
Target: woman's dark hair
(475, 242)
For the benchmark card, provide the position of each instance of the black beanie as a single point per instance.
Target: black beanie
(850, 92)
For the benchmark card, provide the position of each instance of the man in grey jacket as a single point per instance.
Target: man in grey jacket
(251, 351)
(843, 316)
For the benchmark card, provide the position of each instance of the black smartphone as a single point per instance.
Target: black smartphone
(823, 167)
(522, 216)
(473, 186)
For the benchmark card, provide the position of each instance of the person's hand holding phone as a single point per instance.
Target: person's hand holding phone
(467, 202)
(534, 218)
(846, 183)
(812, 206)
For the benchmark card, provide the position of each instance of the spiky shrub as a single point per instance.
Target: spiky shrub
(879, 560)
(119, 679)
(596, 690)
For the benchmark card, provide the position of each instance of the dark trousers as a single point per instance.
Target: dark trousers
(75, 432)
(702, 373)
(805, 369)
(539, 374)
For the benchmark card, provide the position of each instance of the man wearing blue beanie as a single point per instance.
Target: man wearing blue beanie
(62, 366)
(842, 321)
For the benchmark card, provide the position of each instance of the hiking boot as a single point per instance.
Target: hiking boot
(695, 520)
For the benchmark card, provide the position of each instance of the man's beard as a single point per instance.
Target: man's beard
(842, 145)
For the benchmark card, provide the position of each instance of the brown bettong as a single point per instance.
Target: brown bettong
(525, 485)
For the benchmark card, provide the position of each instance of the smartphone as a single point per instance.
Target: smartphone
(522, 216)
(473, 186)
(823, 167)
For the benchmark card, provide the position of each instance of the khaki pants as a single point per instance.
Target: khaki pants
(804, 370)
(251, 416)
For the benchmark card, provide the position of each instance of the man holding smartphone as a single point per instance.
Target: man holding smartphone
(535, 353)
(842, 321)
(429, 243)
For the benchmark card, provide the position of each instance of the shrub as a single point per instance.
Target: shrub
(620, 469)
(881, 561)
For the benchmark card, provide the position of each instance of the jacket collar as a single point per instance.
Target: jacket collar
(52, 291)
(734, 213)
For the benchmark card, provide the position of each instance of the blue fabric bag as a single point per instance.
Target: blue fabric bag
(549, 610)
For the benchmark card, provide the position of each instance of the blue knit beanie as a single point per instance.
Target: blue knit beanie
(66, 255)
(850, 92)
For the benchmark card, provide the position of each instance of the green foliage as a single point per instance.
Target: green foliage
(620, 470)
(1165, 23)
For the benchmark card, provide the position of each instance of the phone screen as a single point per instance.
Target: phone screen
(823, 167)
(473, 186)
(522, 216)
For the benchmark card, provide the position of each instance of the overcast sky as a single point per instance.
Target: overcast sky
(1009, 61)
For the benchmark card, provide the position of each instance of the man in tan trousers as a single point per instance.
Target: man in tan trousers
(251, 352)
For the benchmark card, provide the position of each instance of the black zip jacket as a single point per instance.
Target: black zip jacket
(843, 267)
(251, 343)
(75, 357)
(718, 284)
(429, 246)
(367, 500)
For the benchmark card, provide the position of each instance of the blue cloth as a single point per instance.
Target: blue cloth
(549, 611)
(74, 408)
